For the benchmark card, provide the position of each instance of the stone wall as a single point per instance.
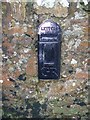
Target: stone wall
(23, 94)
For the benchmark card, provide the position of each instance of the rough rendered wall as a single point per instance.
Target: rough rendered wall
(23, 94)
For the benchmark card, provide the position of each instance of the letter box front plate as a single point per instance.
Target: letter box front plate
(49, 39)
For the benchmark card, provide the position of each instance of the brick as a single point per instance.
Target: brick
(82, 75)
(6, 44)
(78, 21)
(88, 61)
(84, 23)
(6, 81)
(31, 32)
(56, 89)
(14, 30)
(86, 29)
(31, 67)
(85, 44)
(16, 73)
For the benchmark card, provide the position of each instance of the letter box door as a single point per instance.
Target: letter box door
(49, 52)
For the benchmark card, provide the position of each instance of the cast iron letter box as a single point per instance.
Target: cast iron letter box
(49, 47)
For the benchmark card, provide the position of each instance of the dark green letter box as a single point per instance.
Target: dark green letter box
(49, 50)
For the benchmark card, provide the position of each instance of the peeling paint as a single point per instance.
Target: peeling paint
(77, 43)
(46, 3)
(73, 61)
(64, 3)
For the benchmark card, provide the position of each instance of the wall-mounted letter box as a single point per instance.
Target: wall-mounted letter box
(49, 50)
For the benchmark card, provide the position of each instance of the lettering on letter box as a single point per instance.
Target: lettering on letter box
(49, 48)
